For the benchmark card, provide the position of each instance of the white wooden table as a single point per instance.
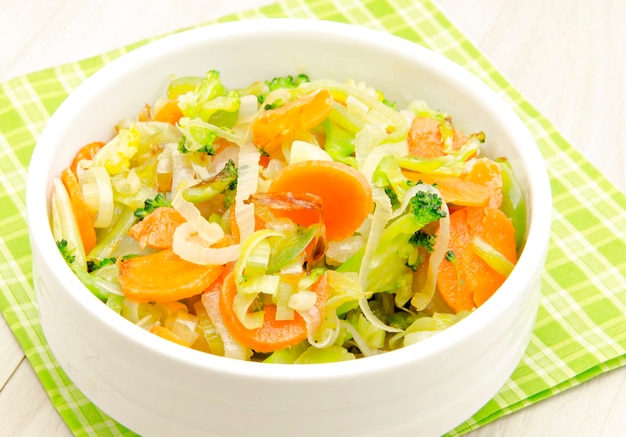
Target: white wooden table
(568, 57)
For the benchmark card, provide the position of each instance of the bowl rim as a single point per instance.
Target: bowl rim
(533, 254)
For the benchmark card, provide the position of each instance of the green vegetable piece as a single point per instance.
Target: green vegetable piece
(65, 251)
(329, 354)
(284, 249)
(225, 180)
(93, 265)
(108, 238)
(288, 355)
(183, 85)
(208, 98)
(339, 143)
(423, 239)
(395, 251)
(204, 137)
(282, 82)
(150, 205)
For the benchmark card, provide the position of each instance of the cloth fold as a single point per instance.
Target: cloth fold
(580, 330)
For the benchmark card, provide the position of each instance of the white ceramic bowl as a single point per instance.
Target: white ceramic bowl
(157, 388)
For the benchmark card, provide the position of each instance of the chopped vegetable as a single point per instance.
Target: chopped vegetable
(157, 229)
(81, 212)
(163, 276)
(87, 152)
(343, 210)
(470, 281)
(150, 205)
(273, 334)
(274, 126)
(169, 112)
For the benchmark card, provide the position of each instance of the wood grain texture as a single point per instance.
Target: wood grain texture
(568, 58)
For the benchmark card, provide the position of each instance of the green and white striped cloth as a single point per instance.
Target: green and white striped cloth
(580, 330)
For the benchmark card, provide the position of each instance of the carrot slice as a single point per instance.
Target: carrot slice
(274, 126)
(273, 334)
(169, 112)
(425, 139)
(86, 152)
(468, 281)
(346, 195)
(156, 230)
(481, 185)
(164, 276)
(81, 212)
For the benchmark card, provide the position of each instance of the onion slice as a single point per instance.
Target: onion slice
(371, 317)
(210, 232)
(247, 183)
(232, 348)
(188, 245)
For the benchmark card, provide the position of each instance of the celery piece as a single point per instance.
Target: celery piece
(285, 248)
(183, 85)
(373, 336)
(339, 143)
(288, 355)
(106, 245)
(226, 179)
(330, 354)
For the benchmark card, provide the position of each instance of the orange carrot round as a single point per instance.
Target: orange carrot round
(156, 230)
(81, 211)
(169, 112)
(86, 152)
(345, 193)
(273, 334)
(468, 281)
(164, 276)
(425, 140)
(274, 126)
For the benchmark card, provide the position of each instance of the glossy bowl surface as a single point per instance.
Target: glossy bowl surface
(157, 388)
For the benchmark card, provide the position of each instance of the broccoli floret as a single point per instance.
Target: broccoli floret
(423, 239)
(93, 265)
(65, 251)
(205, 137)
(223, 182)
(150, 205)
(281, 82)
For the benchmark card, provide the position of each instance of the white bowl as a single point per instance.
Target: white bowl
(157, 388)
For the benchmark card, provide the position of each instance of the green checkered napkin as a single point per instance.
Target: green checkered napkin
(580, 330)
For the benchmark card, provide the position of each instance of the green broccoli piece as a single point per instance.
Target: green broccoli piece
(150, 205)
(423, 239)
(281, 82)
(223, 182)
(93, 265)
(65, 251)
(205, 137)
